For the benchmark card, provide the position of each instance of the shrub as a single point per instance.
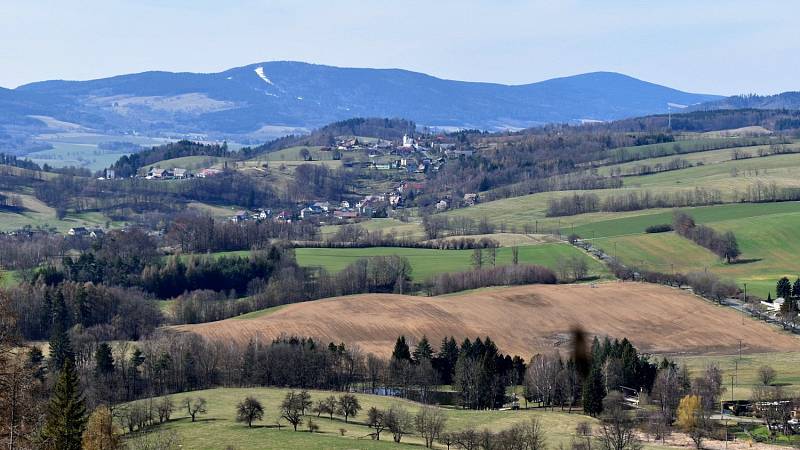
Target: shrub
(660, 228)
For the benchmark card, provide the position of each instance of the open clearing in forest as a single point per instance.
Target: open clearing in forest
(522, 320)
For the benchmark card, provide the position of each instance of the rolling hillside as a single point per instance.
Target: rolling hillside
(218, 429)
(522, 320)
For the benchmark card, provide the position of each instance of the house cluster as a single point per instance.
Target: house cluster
(157, 173)
(93, 233)
(327, 212)
(411, 155)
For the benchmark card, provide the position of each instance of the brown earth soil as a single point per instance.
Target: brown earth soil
(522, 320)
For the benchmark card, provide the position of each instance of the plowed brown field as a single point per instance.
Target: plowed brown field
(522, 320)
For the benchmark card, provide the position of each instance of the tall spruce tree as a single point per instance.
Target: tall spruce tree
(60, 346)
(423, 350)
(66, 412)
(593, 392)
(401, 350)
(445, 361)
(103, 360)
(784, 288)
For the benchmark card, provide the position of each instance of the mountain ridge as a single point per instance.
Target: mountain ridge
(247, 100)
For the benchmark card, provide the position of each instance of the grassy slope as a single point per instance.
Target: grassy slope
(413, 229)
(767, 236)
(39, 214)
(188, 162)
(218, 428)
(781, 169)
(705, 158)
(693, 143)
(428, 262)
(784, 363)
(8, 278)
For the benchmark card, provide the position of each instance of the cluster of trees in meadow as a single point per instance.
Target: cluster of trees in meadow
(509, 275)
(435, 226)
(704, 283)
(649, 169)
(632, 201)
(723, 245)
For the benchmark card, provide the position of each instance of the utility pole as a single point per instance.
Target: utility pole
(732, 388)
(669, 114)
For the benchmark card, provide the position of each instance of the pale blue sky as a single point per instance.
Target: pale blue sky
(713, 46)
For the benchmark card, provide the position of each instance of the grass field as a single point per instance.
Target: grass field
(768, 242)
(697, 158)
(428, 262)
(188, 162)
(8, 278)
(517, 212)
(411, 229)
(218, 429)
(727, 176)
(625, 223)
(693, 143)
(38, 214)
(80, 149)
(522, 320)
(745, 370)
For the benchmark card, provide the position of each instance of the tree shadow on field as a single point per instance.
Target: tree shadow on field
(745, 261)
(203, 419)
(589, 278)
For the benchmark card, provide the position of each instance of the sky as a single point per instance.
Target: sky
(721, 47)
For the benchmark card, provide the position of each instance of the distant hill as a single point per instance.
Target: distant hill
(277, 98)
(785, 100)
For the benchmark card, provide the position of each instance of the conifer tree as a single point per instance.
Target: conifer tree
(401, 350)
(66, 412)
(784, 288)
(593, 392)
(60, 346)
(104, 360)
(423, 350)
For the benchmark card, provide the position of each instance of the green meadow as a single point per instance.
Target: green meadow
(429, 262)
(218, 428)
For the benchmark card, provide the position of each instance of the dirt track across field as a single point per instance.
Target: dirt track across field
(522, 320)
